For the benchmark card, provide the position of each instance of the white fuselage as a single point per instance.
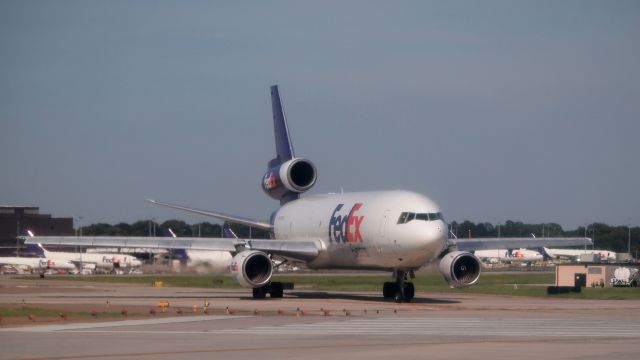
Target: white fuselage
(103, 261)
(603, 255)
(506, 255)
(38, 263)
(362, 230)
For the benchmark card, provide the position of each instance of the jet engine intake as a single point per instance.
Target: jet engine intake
(252, 268)
(294, 176)
(460, 268)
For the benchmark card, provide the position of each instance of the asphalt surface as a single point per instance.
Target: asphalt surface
(314, 325)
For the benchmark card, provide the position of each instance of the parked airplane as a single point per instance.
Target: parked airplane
(509, 255)
(397, 231)
(34, 264)
(574, 254)
(96, 261)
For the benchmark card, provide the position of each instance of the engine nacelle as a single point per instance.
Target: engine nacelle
(293, 176)
(252, 268)
(460, 268)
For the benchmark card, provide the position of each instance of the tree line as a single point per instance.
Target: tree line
(614, 238)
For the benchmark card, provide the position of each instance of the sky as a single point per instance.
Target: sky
(496, 110)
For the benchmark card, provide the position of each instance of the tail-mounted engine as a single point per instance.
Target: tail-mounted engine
(460, 268)
(252, 268)
(291, 177)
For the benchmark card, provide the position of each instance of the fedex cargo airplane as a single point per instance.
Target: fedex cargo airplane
(35, 264)
(396, 231)
(108, 262)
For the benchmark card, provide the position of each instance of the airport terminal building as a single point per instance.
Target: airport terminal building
(14, 220)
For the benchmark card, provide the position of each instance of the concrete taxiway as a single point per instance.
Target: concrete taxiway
(314, 325)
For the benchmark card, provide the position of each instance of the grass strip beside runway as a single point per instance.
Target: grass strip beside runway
(514, 284)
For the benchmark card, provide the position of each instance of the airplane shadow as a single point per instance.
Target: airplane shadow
(319, 295)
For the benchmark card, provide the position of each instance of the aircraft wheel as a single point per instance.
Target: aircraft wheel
(389, 290)
(409, 292)
(259, 292)
(276, 290)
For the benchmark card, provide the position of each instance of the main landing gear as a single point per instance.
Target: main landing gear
(400, 290)
(274, 289)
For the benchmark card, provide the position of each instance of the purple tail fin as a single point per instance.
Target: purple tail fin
(178, 254)
(35, 250)
(181, 254)
(284, 148)
(228, 233)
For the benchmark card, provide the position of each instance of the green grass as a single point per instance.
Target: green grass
(49, 313)
(513, 284)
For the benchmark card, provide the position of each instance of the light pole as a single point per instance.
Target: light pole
(79, 230)
(629, 239)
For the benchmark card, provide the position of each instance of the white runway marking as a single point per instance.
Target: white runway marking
(380, 326)
(109, 324)
(454, 327)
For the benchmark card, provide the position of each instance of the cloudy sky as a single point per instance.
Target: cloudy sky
(496, 110)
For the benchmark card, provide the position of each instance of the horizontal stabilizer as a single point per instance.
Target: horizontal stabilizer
(218, 215)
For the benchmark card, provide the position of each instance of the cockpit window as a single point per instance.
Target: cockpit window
(405, 217)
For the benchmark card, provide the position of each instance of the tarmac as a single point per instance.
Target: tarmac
(310, 325)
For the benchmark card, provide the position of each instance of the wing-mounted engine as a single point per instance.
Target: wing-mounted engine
(460, 268)
(252, 268)
(290, 178)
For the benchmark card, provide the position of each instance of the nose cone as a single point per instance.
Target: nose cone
(423, 242)
(438, 234)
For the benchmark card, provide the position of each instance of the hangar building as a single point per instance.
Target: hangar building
(16, 219)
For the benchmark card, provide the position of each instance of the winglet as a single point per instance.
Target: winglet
(284, 148)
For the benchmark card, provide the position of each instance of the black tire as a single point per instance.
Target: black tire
(259, 292)
(409, 292)
(276, 290)
(389, 290)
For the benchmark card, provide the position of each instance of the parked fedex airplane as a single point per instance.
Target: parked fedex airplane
(574, 254)
(34, 264)
(509, 255)
(106, 262)
(397, 231)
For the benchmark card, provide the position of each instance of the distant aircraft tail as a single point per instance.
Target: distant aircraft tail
(178, 254)
(545, 253)
(36, 250)
(228, 233)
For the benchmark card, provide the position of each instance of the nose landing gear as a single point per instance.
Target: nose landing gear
(400, 290)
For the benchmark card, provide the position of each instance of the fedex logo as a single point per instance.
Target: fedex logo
(269, 182)
(345, 228)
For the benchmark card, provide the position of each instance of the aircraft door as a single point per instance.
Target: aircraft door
(385, 244)
(383, 224)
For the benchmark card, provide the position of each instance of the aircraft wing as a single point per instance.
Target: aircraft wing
(218, 215)
(302, 249)
(517, 243)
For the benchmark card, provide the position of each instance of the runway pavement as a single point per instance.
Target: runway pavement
(437, 326)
